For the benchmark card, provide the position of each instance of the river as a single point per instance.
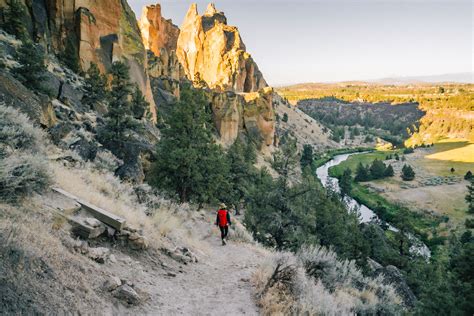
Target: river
(366, 214)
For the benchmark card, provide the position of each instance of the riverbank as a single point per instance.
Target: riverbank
(429, 226)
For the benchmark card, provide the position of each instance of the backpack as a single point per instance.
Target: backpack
(222, 215)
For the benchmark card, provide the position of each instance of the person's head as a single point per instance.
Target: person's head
(222, 206)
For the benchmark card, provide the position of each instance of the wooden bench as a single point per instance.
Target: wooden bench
(102, 215)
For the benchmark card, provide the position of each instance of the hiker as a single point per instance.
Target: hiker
(223, 221)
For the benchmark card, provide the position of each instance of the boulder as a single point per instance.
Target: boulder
(112, 283)
(393, 276)
(98, 254)
(38, 108)
(128, 294)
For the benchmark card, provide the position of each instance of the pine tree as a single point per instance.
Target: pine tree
(389, 171)
(470, 196)
(95, 87)
(139, 104)
(189, 163)
(31, 70)
(407, 173)
(377, 169)
(285, 117)
(14, 23)
(307, 156)
(70, 56)
(468, 175)
(242, 173)
(346, 181)
(121, 128)
(362, 173)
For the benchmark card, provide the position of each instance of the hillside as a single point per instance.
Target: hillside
(147, 168)
(448, 106)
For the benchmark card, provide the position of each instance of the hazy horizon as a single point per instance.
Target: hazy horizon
(342, 40)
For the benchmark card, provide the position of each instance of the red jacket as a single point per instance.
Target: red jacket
(223, 218)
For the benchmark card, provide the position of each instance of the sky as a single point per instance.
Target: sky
(297, 41)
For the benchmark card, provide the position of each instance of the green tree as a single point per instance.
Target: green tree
(389, 171)
(362, 173)
(139, 104)
(346, 181)
(242, 173)
(377, 169)
(189, 163)
(31, 70)
(407, 173)
(121, 131)
(70, 55)
(14, 23)
(285, 117)
(306, 156)
(468, 175)
(470, 196)
(95, 86)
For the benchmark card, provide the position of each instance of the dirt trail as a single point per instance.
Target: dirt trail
(219, 284)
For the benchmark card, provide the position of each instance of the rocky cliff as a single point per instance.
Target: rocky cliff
(98, 31)
(157, 32)
(211, 55)
(213, 51)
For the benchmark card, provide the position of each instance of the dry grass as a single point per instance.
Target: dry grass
(37, 267)
(315, 282)
(156, 219)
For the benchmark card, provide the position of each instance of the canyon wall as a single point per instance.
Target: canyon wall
(211, 55)
(213, 51)
(99, 32)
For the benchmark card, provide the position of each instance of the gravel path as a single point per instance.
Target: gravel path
(219, 284)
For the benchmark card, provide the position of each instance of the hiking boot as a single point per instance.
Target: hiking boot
(224, 242)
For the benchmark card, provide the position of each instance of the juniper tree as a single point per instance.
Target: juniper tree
(95, 87)
(389, 171)
(470, 196)
(362, 173)
(121, 129)
(139, 104)
(306, 156)
(377, 169)
(70, 55)
(189, 163)
(14, 23)
(346, 181)
(31, 67)
(407, 173)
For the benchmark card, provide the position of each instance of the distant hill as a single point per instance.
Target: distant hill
(462, 77)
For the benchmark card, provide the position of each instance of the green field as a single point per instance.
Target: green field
(365, 159)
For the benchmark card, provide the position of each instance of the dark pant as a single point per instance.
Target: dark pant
(224, 231)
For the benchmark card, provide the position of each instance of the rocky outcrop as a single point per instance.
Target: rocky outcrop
(157, 32)
(251, 114)
(212, 51)
(38, 107)
(100, 32)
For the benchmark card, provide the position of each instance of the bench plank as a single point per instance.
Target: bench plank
(104, 216)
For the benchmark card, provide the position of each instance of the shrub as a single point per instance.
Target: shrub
(17, 132)
(407, 173)
(23, 166)
(285, 117)
(23, 175)
(468, 175)
(32, 67)
(316, 282)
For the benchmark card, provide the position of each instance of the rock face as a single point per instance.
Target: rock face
(157, 32)
(251, 114)
(212, 51)
(99, 31)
